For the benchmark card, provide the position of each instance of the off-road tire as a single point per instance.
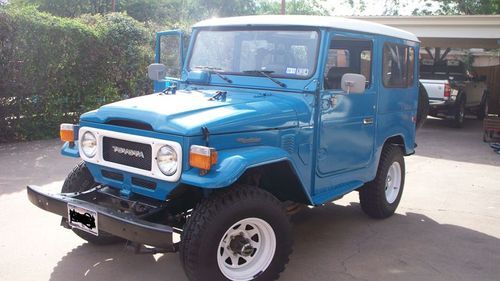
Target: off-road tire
(372, 196)
(79, 180)
(422, 107)
(214, 215)
(459, 116)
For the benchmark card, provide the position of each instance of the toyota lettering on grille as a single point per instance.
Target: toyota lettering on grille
(129, 152)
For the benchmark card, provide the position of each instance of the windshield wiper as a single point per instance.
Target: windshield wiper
(214, 70)
(265, 73)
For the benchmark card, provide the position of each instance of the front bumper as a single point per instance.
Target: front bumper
(125, 225)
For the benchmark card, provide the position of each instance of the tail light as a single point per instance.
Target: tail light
(447, 90)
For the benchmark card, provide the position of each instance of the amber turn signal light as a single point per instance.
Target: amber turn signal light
(67, 132)
(202, 157)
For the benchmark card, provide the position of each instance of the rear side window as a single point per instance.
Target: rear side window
(398, 66)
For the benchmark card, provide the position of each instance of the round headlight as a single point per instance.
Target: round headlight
(167, 160)
(88, 144)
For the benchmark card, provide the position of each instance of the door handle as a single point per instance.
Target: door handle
(368, 121)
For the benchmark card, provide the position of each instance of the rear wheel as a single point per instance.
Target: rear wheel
(423, 106)
(239, 234)
(380, 198)
(79, 180)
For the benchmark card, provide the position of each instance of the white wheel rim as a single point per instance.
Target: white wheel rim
(258, 235)
(393, 182)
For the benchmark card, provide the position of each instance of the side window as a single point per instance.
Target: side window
(347, 56)
(397, 66)
(169, 55)
(338, 58)
(366, 65)
(411, 66)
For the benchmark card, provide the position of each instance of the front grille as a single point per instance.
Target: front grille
(133, 154)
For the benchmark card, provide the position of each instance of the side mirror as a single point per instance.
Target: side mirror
(353, 83)
(157, 71)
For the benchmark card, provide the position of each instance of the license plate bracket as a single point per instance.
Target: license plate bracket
(83, 219)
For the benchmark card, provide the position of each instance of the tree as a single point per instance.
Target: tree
(304, 7)
(68, 8)
(436, 7)
(357, 5)
(460, 7)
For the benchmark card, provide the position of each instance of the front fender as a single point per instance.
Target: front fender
(232, 163)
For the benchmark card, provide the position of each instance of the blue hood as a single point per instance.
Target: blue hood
(185, 112)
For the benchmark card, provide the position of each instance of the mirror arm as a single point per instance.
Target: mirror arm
(349, 84)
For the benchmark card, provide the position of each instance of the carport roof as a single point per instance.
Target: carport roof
(479, 31)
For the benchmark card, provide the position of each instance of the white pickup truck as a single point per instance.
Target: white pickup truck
(453, 93)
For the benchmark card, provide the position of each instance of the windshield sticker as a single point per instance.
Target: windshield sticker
(303, 71)
(291, 70)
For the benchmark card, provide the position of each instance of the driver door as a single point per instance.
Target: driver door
(347, 124)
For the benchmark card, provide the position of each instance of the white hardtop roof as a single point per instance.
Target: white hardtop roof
(311, 21)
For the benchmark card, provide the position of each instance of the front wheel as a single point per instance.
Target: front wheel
(238, 234)
(380, 197)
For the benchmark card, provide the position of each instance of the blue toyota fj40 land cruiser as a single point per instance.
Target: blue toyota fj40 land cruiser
(269, 113)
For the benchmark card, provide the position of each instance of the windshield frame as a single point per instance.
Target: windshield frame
(261, 28)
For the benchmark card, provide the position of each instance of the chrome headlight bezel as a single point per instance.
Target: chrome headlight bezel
(167, 160)
(88, 144)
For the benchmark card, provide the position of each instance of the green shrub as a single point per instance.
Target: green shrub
(53, 69)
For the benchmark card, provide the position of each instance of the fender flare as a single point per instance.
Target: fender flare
(232, 163)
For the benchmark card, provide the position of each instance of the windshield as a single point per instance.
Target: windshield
(281, 53)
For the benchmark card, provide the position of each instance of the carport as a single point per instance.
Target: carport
(464, 32)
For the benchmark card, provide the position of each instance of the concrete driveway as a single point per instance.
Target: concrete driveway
(447, 226)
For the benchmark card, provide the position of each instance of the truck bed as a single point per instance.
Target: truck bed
(434, 88)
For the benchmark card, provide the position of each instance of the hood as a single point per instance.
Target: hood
(185, 112)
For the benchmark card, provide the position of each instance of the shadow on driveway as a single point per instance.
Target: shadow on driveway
(331, 243)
